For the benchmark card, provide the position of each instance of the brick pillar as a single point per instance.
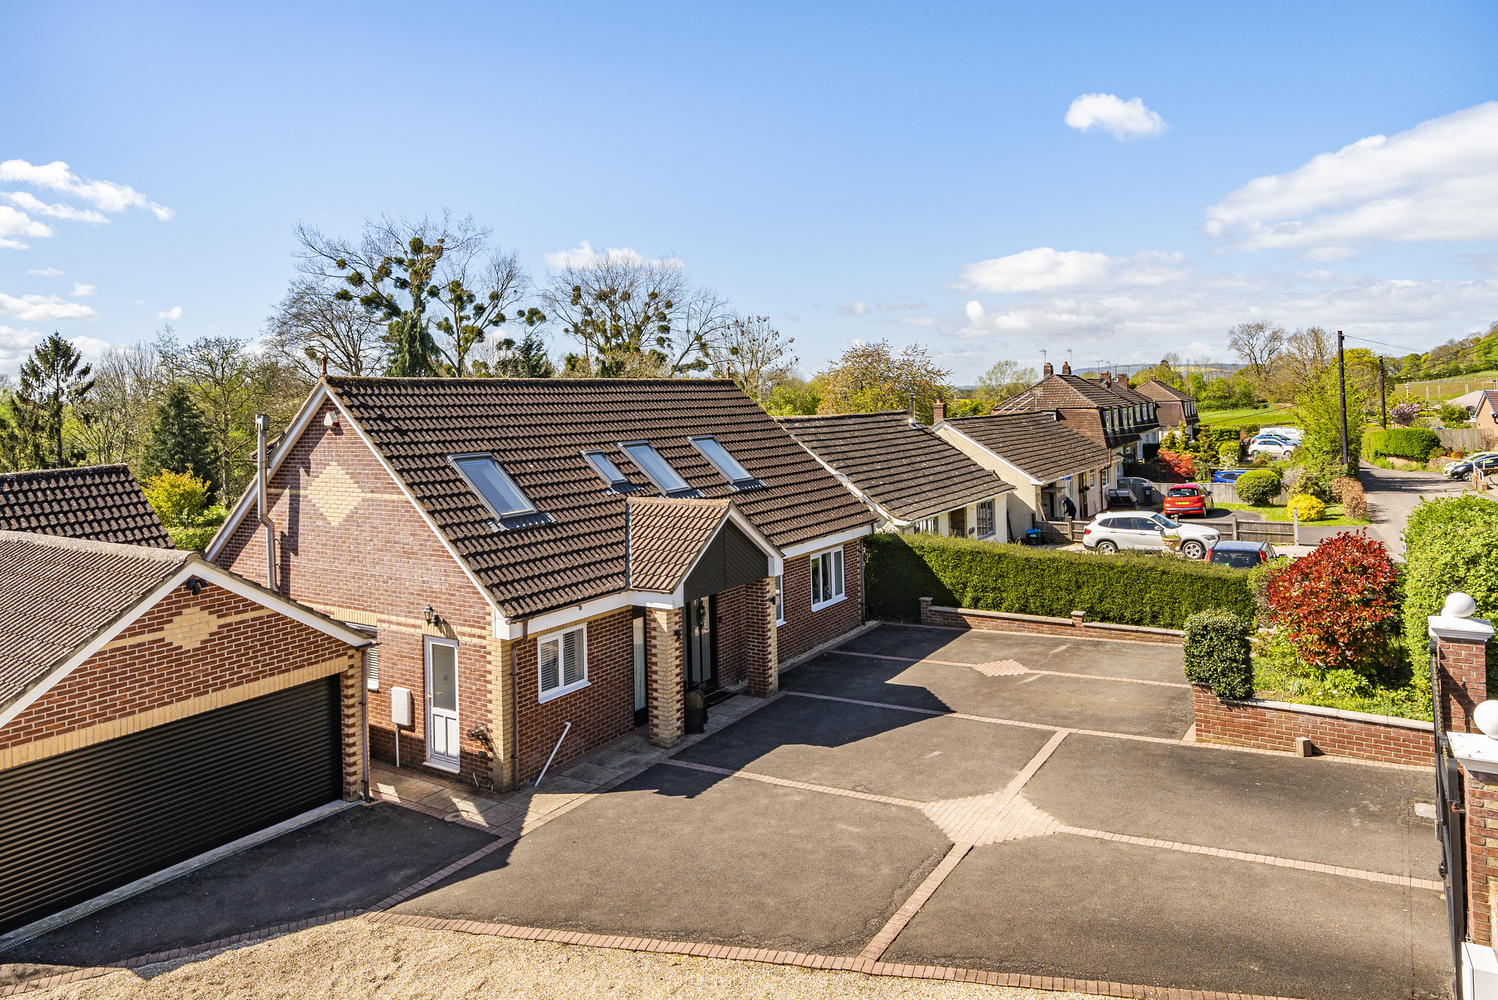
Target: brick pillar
(760, 639)
(1482, 853)
(926, 617)
(665, 676)
(1461, 661)
(351, 716)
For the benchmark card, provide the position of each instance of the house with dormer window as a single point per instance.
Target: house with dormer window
(529, 553)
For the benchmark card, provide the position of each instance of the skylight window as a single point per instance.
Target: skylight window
(497, 490)
(657, 468)
(732, 471)
(609, 472)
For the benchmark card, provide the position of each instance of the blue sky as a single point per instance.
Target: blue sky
(855, 171)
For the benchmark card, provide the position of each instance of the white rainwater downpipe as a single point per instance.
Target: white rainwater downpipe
(262, 426)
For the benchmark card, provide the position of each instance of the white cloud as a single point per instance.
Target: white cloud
(974, 310)
(41, 308)
(856, 309)
(31, 203)
(14, 223)
(175, 312)
(1031, 270)
(80, 289)
(898, 306)
(583, 255)
(107, 196)
(1119, 118)
(1436, 181)
(46, 272)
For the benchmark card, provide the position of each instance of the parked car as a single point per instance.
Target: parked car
(1240, 555)
(1486, 465)
(1188, 499)
(1228, 475)
(1143, 489)
(1292, 434)
(1145, 532)
(1274, 447)
(1468, 460)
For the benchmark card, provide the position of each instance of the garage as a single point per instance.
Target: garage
(200, 709)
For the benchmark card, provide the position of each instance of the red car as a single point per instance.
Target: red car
(1183, 500)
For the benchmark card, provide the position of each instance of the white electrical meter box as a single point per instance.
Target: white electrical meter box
(400, 706)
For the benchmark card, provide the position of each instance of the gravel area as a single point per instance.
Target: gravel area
(355, 958)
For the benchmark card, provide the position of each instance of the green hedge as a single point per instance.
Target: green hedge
(1414, 443)
(1216, 653)
(1259, 487)
(1451, 544)
(1126, 589)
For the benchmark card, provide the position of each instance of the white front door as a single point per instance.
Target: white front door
(442, 703)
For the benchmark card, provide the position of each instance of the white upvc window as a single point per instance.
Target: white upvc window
(927, 526)
(562, 662)
(826, 578)
(779, 599)
(985, 519)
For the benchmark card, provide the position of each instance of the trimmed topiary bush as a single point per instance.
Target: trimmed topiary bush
(1413, 443)
(1127, 589)
(1259, 487)
(1307, 508)
(1216, 653)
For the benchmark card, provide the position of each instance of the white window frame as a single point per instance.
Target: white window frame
(779, 598)
(829, 558)
(926, 525)
(993, 518)
(543, 695)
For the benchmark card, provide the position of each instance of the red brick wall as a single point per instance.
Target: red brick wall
(998, 621)
(1482, 853)
(1247, 724)
(1464, 682)
(732, 632)
(353, 541)
(804, 628)
(129, 677)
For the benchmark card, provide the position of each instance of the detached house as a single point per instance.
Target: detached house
(1047, 459)
(530, 553)
(1111, 415)
(910, 478)
(1175, 407)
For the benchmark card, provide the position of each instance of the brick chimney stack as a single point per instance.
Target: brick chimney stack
(1107, 378)
(1066, 367)
(1122, 378)
(938, 412)
(1048, 370)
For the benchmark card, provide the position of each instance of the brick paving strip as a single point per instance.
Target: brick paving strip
(1011, 668)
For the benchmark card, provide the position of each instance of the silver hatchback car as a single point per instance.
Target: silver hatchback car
(1145, 532)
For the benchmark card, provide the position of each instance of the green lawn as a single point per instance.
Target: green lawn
(1262, 415)
(1334, 517)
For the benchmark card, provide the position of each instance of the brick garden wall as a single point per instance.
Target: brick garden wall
(1075, 627)
(350, 544)
(1272, 726)
(805, 628)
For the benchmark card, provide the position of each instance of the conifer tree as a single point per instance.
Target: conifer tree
(180, 441)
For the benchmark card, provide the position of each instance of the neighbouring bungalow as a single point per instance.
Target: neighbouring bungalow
(1108, 415)
(537, 552)
(1485, 417)
(102, 502)
(1047, 459)
(154, 706)
(1175, 407)
(911, 479)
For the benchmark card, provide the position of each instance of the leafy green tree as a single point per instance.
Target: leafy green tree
(179, 440)
(1320, 408)
(624, 338)
(525, 358)
(1486, 352)
(54, 383)
(1003, 380)
(870, 378)
(793, 397)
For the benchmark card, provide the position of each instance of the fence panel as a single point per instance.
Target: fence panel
(1460, 438)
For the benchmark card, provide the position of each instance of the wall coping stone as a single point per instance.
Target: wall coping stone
(1334, 713)
(1048, 620)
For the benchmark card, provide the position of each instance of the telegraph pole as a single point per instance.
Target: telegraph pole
(1383, 405)
(1342, 389)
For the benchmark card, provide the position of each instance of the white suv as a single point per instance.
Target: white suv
(1145, 532)
(1268, 444)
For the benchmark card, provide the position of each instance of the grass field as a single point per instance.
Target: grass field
(1334, 517)
(1262, 415)
(1435, 390)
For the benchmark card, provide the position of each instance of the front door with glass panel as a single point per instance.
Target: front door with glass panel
(699, 642)
(442, 703)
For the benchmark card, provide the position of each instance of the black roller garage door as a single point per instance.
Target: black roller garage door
(85, 822)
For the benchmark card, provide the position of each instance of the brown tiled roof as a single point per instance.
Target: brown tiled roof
(537, 430)
(1131, 396)
(1157, 390)
(102, 502)
(665, 537)
(1057, 392)
(1036, 443)
(57, 593)
(903, 467)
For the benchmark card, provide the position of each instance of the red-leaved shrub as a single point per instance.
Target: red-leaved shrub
(1183, 467)
(1340, 604)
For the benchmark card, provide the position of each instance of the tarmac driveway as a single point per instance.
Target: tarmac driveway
(1094, 842)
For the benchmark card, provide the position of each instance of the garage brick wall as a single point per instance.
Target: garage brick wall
(804, 628)
(184, 647)
(351, 545)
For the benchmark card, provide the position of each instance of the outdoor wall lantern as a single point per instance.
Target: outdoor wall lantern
(431, 617)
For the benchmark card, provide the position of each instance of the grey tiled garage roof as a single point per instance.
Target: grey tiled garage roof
(102, 502)
(900, 465)
(1036, 443)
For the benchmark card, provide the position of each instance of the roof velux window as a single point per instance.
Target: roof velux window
(657, 468)
(490, 482)
(732, 471)
(609, 472)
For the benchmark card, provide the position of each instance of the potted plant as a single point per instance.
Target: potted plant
(696, 712)
(1172, 540)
